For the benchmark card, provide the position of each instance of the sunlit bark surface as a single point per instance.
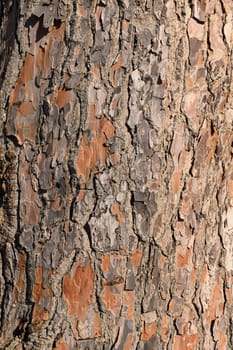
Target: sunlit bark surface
(116, 174)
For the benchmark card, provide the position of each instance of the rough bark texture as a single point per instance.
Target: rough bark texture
(116, 179)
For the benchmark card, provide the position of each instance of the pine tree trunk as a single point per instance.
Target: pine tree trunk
(116, 176)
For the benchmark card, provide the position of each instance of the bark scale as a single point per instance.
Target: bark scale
(116, 180)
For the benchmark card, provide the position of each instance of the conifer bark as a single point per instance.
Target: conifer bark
(116, 177)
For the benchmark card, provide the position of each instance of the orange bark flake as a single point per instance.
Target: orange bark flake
(115, 102)
(114, 158)
(26, 75)
(162, 261)
(81, 195)
(136, 258)
(95, 70)
(19, 347)
(223, 338)
(125, 26)
(78, 287)
(116, 211)
(193, 276)
(229, 289)
(216, 303)
(211, 144)
(176, 177)
(97, 332)
(44, 62)
(129, 303)
(106, 262)
(20, 268)
(27, 70)
(62, 97)
(164, 329)
(24, 125)
(182, 257)
(172, 305)
(128, 343)
(112, 297)
(57, 204)
(204, 274)
(187, 342)
(81, 11)
(186, 206)
(98, 13)
(85, 160)
(226, 137)
(60, 345)
(40, 313)
(92, 151)
(230, 188)
(114, 68)
(148, 330)
(26, 108)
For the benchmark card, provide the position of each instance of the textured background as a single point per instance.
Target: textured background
(116, 176)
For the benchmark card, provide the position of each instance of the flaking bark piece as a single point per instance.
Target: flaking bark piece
(50, 12)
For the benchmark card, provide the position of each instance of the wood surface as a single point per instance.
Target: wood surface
(116, 175)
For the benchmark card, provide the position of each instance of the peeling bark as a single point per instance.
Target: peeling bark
(116, 182)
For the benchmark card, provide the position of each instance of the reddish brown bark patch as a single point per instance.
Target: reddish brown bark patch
(216, 303)
(148, 330)
(114, 69)
(182, 257)
(186, 341)
(129, 304)
(117, 212)
(78, 287)
(136, 259)
(176, 181)
(23, 122)
(39, 295)
(20, 270)
(62, 97)
(93, 151)
(60, 345)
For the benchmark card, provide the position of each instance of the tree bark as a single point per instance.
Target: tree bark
(116, 177)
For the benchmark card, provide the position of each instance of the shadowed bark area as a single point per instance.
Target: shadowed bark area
(116, 177)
